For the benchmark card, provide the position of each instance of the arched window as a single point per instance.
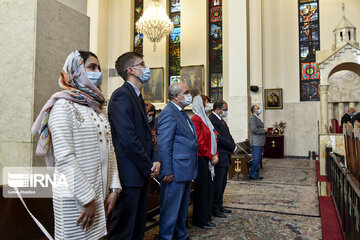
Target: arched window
(349, 33)
(341, 36)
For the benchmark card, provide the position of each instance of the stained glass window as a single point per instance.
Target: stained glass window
(215, 50)
(174, 42)
(138, 37)
(309, 43)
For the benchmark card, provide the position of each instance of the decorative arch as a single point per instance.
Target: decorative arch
(351, 66)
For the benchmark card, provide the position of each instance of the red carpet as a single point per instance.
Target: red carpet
(331, 229)
(329, 220)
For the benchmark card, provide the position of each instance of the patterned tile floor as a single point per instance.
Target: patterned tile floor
(282, 206)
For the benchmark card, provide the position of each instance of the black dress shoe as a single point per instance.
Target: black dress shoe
(206, 226)
(211, 224)
(258, 178)
(224, 210)
(219, 214)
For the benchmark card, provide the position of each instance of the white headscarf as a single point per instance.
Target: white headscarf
(198, 109)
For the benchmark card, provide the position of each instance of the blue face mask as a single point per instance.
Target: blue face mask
(146, 74)
(95, 78)
(259, 111)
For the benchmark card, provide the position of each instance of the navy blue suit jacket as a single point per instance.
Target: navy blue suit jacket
(132, 138)
(177, 145)
(226, 143)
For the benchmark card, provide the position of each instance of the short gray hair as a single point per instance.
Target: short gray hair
(174, 88)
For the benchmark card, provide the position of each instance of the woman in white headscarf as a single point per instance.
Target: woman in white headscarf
(207, 158)
(75, 138)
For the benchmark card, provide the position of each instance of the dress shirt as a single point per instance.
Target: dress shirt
(225, 125)
(137, 90)
(180, 109)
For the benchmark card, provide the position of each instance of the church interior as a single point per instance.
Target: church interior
(298, 60)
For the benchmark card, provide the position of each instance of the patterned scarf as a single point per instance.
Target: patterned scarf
(78, 88)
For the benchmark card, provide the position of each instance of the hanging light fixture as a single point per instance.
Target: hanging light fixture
(154, 23)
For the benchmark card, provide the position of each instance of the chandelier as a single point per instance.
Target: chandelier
(154, 23)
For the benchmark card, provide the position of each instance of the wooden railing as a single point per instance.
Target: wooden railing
(343, 175)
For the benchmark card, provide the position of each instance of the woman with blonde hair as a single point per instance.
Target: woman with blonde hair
(75, 138)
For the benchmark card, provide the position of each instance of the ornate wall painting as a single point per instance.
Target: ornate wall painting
(138, 38)
(309, 43)
(193, 76)
(215, 50)
(273, 98)
(154, 90)
(309, 90)
(174, 42)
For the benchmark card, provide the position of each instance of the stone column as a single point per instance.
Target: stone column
(324, 108)
(341, 109)
(330, 112)
(236, 67)
(352, 104)
(31, 31)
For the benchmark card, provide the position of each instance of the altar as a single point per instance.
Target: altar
(339, 85)
(274, 146)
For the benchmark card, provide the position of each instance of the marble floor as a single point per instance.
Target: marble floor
(284, 205)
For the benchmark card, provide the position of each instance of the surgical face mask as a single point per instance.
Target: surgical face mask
(150, 118)
(146, 74)
(95, 78)
(224, 114)
(208, 107)
(259, 111)
(187, 101)
(351, 114)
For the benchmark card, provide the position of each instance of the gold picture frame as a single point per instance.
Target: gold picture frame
(273, 98)
(193, 76)
(153, 91)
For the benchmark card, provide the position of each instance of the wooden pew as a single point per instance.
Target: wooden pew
(350, 159)
(357, 149)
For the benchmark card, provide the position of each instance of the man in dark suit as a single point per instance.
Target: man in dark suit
(226, 145)
(135, 152)
(347, 116)
(257, 141)
(178, 150)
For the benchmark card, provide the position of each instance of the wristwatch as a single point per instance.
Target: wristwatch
(115, 190)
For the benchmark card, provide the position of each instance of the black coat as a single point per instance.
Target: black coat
(345, 119)
(132, 137)
(354, 118)
(226, 144)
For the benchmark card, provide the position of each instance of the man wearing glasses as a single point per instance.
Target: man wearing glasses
(135, 152)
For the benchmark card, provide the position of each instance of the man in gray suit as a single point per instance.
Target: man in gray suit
(257, 141)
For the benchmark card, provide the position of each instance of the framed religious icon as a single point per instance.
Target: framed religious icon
(153, 90)
(193, 76)
(273, 98)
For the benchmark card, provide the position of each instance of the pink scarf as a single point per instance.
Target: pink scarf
(78, 88)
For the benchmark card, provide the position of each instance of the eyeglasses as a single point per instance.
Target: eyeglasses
(138, 64)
